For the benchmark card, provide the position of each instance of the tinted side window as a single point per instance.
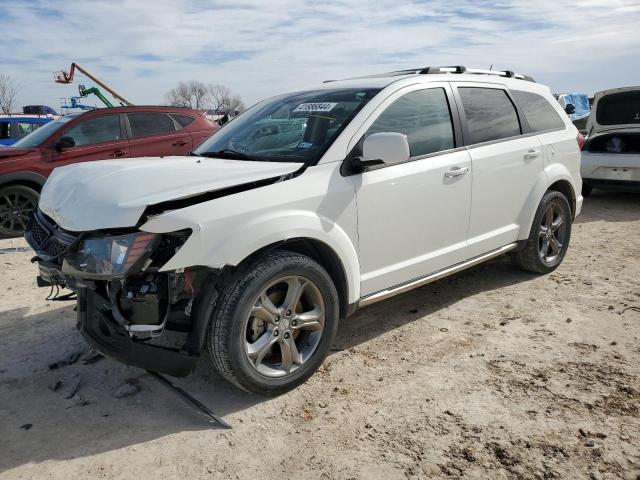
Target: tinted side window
(490, 114)
(182, 120)
(96, 130)
(423, 116)
(540, 115)
(143, 124)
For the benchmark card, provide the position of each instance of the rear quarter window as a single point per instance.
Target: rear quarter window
(490, 114)
(539, 113)
(182, 120)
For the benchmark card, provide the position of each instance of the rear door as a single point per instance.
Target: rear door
(96, 138)
(153, 134)
(505, 163)
(558, 140)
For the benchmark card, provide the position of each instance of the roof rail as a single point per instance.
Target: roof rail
(441, 70)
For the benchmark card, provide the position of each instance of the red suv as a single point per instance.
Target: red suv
(99, 134)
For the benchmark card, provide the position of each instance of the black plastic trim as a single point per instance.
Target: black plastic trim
(110, 339)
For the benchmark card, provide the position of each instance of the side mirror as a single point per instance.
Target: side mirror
(64, 142)
(385, 147)
(570, 109)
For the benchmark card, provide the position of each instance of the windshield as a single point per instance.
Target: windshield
(297, 127)
(35, 138)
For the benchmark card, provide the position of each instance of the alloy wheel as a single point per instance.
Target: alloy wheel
(284, 326)
(16, 208)
(552, 233)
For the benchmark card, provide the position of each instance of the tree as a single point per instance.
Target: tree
(223, 100)
(197, 95)
(8, 93)
(192, 94)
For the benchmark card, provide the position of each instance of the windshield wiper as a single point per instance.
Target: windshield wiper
(229, 153)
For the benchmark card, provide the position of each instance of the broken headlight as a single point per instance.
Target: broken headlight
(110, 256)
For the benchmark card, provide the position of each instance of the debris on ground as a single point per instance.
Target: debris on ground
(73, 390)
(92, 358)
(55, 385)
(130, 387)
(70, 359)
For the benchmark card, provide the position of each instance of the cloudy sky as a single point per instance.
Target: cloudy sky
(260, 48)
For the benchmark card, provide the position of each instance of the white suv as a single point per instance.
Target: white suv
(304, 208)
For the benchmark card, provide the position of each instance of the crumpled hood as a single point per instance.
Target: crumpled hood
(114, 193)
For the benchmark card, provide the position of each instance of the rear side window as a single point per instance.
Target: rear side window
(423, 116)
(540, 115)
(96, 130)
(144, 124)
(182, 120)
(490, 114)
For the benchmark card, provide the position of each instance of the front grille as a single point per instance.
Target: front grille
(38, 233)
(48, 240)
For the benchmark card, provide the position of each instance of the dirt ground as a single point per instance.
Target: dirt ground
(493, 373)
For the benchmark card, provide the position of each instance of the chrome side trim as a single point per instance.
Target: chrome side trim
(418, 282)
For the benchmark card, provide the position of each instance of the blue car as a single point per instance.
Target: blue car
(15, 127)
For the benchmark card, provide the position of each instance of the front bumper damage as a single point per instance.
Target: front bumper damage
(123, 317)
(102, 332)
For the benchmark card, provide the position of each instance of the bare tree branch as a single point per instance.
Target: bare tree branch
(197, 95)
(192, 94)
(8, 93)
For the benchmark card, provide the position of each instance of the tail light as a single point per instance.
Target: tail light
(580, 140)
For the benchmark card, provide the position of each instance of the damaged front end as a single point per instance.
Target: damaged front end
(125, 302)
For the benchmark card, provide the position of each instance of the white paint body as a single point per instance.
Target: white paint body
(388, 226)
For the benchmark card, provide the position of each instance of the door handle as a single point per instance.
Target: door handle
(531, 154)
(456, 172)
(118, 153)
(179, 143)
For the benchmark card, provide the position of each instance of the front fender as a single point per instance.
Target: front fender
(207, 247)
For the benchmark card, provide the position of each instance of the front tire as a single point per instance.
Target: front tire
(549, 237)
(274, 323)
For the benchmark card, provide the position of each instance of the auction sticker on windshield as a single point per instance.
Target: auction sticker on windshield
(315, 107)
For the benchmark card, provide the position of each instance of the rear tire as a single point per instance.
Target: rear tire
(274, 323)
(586, 190)
(549, 237)
(17, 203)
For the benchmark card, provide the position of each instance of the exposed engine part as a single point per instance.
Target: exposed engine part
(144, 303)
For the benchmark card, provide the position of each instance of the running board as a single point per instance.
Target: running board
(418, 282)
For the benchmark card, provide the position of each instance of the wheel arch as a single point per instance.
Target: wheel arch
(29, 179)
(556, 177)
(565, 187)
(320, 252)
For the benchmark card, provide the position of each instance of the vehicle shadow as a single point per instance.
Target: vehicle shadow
(93, 421)
(610, 206)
